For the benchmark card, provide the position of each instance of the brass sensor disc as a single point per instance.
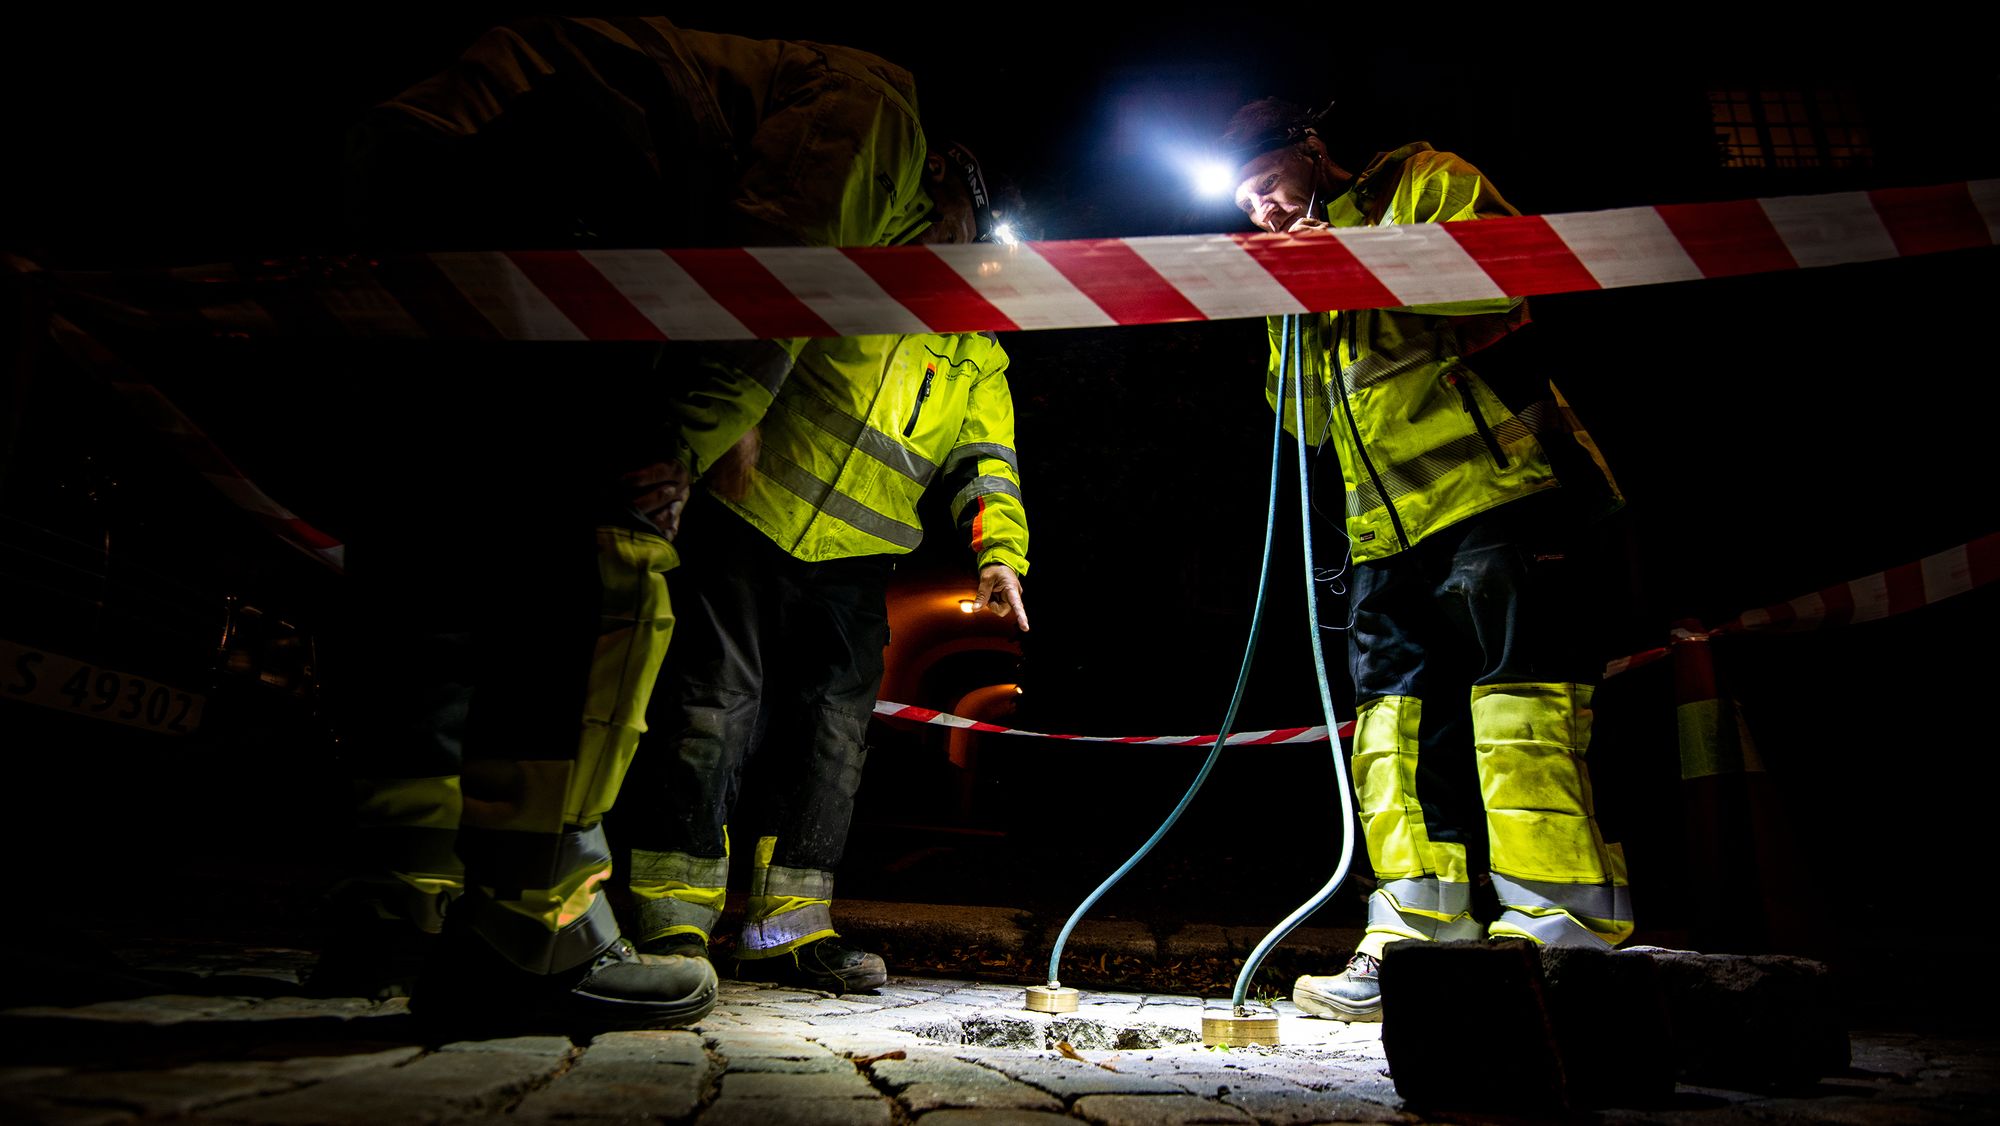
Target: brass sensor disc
(1052, 999)
(1230, 1030)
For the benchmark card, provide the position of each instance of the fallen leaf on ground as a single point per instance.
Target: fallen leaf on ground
(1072, 1054)
(864, 1061)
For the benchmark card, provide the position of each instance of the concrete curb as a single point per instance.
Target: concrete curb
(1016, 932)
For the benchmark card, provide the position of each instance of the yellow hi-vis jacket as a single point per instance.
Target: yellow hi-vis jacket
(865, 424)
(1425, 441)
(656, 135)
(755, 141)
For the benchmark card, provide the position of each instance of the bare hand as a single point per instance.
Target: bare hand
(1304, 223)
(658, 492)
(1000, 592)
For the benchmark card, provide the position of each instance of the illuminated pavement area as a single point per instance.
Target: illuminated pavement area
(241, 1046)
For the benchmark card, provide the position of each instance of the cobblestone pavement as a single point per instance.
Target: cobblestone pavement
(240, 1046)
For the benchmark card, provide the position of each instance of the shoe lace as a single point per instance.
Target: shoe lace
(1363, 965)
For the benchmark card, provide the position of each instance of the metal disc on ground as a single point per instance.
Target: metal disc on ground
(1232, 1031)
(1052, 999)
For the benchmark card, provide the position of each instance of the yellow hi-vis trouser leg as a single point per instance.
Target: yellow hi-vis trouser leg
(1559, 883)
(407, 831)
(678, 893)
(535, 823)
(789, 907)
(1423, 890)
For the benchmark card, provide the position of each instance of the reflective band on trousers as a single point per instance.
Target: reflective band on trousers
(1610, 904)
(800, 883)
(547, 930)
(780, 930)
(675, 892)
(1432, 896)
(1390, 922)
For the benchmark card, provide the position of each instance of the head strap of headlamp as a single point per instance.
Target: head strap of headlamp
(961, 158)
(1278, 135)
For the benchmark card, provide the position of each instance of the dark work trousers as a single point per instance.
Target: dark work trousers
(1473, 661)
(771, 652)
(477, 479)
(1499, 597)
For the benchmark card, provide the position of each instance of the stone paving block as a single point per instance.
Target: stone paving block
(823, 1064)
(1756, 1021)
(166, 1008)
(1612, 1029)
(1465, 1025)
(1296, 1106)
(798, 1112)
(660, 1046)
(1156, 1110)
(317, 1065)
(24, 1074)
(1069, 1079)
(756, 1042)
(445, 1084)
(627, 1077)
(935, 1081)
(161, 1094)
(524, 1045)
(170, 1092)
(739, 1085)
(33, 1112)
(995, 1117)
(866, 1041)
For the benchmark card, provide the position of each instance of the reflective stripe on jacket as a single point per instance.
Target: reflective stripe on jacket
(1425, 441)
(865, 424)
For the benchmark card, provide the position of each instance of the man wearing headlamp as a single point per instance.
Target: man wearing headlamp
(1468, 484)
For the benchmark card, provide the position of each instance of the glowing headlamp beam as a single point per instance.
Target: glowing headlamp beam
(1212, 177)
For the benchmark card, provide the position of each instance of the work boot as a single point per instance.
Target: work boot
(1354, 994)
(471, 988)
(825, 964)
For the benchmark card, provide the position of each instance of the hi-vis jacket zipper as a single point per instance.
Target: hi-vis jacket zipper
(924, 392)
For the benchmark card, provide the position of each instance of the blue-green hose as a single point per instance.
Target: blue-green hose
(1242, 678)
(1278, 933)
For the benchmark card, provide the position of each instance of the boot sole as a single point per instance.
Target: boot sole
(827, 984)
(578, 1013)
(1320, 1005)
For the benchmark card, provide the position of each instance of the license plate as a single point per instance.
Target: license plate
(35, 676)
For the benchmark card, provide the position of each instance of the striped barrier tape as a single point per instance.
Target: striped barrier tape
(764, 292)
(1911, 586)
(1898, 590)
(888, 710)
(158, 413)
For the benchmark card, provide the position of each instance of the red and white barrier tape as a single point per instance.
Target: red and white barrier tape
(888, 710)
(732, 294)
(1911, 586)
(187, 439)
